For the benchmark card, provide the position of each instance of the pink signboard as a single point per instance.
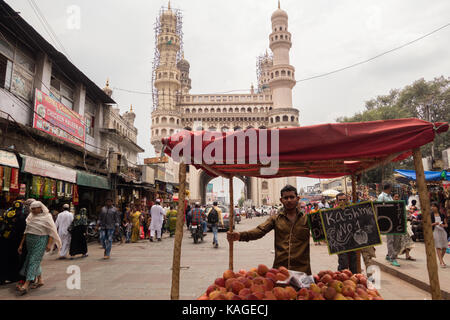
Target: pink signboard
(57, 120)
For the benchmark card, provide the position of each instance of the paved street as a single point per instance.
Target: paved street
(143, 270)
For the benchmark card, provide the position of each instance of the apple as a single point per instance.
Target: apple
(330, 293)
(269, 295)
(229, 283)
(339, 296)
(315, 288)
(272, 276)
(203, 297)
(326, 279)
(291, 292)
(281, 276)
(348, 291)
(257, 288)
(228, 274)
(237, 286)
(210, 289)
(244, 292)
(316, 278)
(220, 282)
(279, 293)
(338, 285)
(303, 292)
(262, 270)
(284, 271)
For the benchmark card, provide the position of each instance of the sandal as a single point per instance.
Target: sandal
(22, 290)
(36, 285)
(410, 258)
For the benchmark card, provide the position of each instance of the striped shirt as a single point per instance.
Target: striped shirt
(198, 215)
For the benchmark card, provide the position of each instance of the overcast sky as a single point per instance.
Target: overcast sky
(223, 38)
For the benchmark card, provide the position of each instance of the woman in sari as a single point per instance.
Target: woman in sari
(78, 243)
(135, 221)
(39, 235)
(172, 220)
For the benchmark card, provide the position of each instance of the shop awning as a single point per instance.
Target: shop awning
(92, 180)
(429, 175)
(48, 169)
(319, 151)
(8, 159)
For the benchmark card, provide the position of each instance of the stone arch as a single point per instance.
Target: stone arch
(237, 128)
(187, 110)
(204, 179)
(200, 110)
(277, 119)
(164, 132)
(171, 120)
(292, 118)
(163, 120)
(242, 109)
(285, 118)
(283, 73)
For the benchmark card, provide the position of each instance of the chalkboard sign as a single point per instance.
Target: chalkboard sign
(391, 216)
(316, 227)
(350, 228)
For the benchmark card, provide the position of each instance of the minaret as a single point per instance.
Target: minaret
(166, 118)
(282, 74)
(266, 66)
(183, 66)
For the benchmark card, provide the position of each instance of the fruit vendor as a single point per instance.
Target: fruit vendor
(291, 233)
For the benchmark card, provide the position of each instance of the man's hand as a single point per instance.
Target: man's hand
(19, 250)
(233, 236)
(48, 247)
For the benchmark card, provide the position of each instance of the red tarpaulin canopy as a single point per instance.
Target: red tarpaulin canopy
(319, 151)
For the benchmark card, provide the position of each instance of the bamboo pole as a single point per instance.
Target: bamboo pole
(175, 291)
(427, 229)
(354, 200)
(231, 218)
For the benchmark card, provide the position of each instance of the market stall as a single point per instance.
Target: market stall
(352, 148)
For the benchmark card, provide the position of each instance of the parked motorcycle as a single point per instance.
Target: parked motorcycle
(92, 233)
(196, 232)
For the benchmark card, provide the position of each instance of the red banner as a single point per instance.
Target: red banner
(57, 120)
(76, 198)
(14, 187)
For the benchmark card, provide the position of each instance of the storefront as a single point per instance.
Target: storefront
(10, 188)
(48, 182)
(92, 192)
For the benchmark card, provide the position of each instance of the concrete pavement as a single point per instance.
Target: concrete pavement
(143, 270)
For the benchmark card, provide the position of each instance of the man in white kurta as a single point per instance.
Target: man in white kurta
(63, 221)
(157, 212)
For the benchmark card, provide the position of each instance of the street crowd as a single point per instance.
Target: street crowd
(28, 230)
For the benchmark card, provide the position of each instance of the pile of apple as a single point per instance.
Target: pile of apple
(337, 285)
(262, 283)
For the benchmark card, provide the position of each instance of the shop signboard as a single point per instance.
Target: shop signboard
(48, 169)
(8, 159)
(56, 119)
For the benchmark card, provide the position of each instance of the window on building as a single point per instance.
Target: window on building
(61, 90)
(17, 68)
(89, 123)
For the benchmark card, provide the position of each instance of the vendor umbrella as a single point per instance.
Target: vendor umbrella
(330, 193)
(351, 148)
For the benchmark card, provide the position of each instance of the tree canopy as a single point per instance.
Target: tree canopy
(427, 100)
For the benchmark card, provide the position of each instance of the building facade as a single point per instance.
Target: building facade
(269, 106)
(62, 128)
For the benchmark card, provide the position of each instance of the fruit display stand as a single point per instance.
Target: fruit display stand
(373, 143)
(263, 283)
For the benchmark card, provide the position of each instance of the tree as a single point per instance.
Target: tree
(241, 201)
(426, 100)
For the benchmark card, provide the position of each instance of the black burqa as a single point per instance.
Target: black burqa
(12, 228)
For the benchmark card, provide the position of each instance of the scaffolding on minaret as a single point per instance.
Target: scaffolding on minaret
(260, 61)
(157, 57)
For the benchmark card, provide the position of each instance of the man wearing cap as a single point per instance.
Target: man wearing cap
(157, 212)
(63, 222)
